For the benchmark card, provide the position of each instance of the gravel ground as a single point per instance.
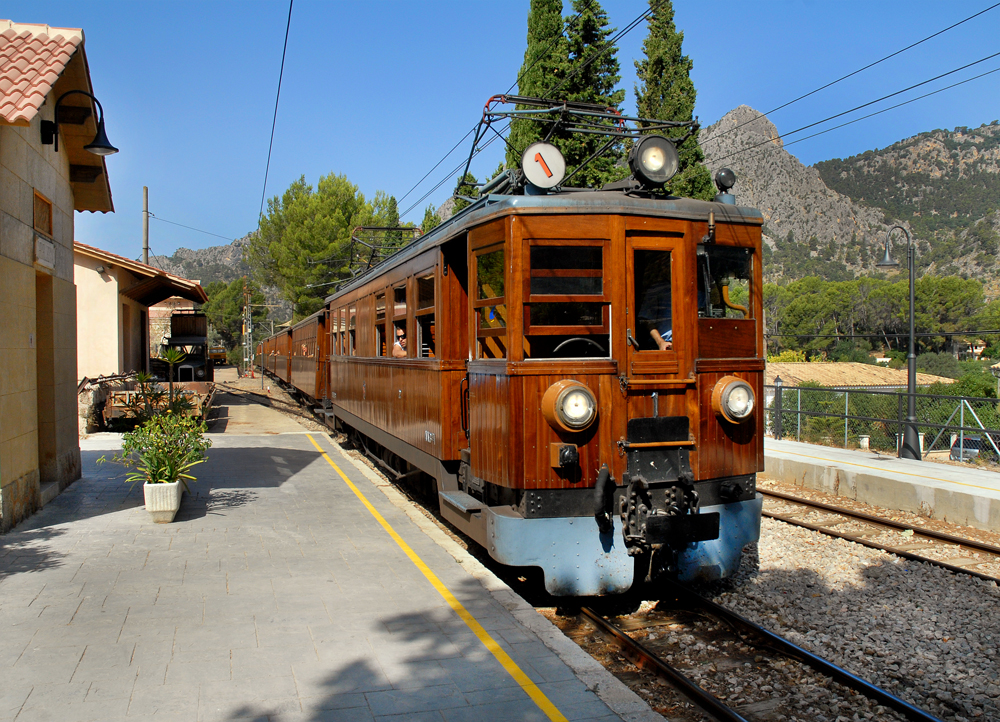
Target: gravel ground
(928, 636)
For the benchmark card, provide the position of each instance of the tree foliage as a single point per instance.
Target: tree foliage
(431, 219)
(823, 317)
(546, 59)
(666, 92)
(225, 309)
(303, 241)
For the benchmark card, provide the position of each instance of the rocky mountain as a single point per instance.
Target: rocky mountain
(810, 229)
(216, 263)
(944, 184)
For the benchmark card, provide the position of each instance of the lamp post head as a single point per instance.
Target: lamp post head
(100, 145)
(887, 261)
(778, 383)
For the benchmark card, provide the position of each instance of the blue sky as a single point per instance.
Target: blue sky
(379, 91)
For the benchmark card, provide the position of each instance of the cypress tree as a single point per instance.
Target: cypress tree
(544, 67)
(667, 93)
(592, 77)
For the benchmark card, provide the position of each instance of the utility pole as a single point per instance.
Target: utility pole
(145, 225)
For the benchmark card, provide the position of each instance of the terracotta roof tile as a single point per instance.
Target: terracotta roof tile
(32, 57)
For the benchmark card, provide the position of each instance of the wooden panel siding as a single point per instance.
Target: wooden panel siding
(491, 432)
(726, 449)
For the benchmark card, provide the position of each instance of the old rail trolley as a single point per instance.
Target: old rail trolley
(581, 368)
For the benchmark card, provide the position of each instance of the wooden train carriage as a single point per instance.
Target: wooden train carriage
(643, 315)
(309, 356)
(283, 355)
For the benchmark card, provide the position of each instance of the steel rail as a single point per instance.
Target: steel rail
(818, 664)
(969, 544)
(706, 702)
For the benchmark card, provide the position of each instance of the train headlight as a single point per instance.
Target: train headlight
(653, 160)
(733, 399)
(569, 406)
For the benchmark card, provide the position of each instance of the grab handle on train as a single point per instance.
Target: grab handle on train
(603, 498)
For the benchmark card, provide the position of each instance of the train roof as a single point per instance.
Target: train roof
(580, 202)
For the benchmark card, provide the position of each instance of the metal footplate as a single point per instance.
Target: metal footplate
(665, 529)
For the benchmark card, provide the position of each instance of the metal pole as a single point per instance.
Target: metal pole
(911, 440)
(847, 395)
(777, 412)
(798, 416)
(145, 225)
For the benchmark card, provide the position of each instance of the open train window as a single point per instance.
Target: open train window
(654, 324)
(352, 334)
(567, 312)
(489, 304)
(400, 349)
(424, 313)
(380, 349)
(727, 273)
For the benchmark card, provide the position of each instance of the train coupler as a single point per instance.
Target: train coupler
(663, 515)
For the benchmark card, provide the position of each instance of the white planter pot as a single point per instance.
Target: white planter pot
(162, 501)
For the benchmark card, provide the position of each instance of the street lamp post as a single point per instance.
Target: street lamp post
(910, 448)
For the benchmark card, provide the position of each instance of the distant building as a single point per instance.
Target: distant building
(40, 188)
(114, 295)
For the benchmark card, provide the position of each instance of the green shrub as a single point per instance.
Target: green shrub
(163, 450)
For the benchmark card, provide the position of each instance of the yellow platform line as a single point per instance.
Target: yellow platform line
(530, 688)
(887, 471)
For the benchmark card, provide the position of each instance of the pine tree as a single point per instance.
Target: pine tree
(431, 219)
(592, 77)
(667, 93)
(468, 187)
(545, 61)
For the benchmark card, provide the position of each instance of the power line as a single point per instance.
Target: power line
(857, 107)
(870, 65)
(274, 120)
(901, 334)
(190, 228)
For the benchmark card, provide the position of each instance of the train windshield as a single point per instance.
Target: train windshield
(567, 305)
(727, 274)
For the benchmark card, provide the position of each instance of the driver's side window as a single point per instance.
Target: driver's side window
(567, 307)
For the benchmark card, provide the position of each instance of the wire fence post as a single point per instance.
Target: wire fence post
(847, 395)
(798, 416)
(899, 424)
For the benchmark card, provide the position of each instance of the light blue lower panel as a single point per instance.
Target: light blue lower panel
(739, 524)
(576, 559)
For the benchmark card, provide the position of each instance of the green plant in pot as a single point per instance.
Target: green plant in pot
(160, 453)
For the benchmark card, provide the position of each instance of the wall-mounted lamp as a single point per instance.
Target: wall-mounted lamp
(100, 145)
(100, 269)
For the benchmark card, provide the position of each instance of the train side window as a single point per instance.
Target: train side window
(727, 274)
(654, 300)
(380, 349)
(489, 304)
(352, 334)
(424, 316)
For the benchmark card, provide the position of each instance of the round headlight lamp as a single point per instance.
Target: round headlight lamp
(200, 373)
(733, 399)
(653, 160)
(569, 406)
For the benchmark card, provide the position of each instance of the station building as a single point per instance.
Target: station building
(40, 188)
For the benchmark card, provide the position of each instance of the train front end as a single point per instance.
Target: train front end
(614, 389)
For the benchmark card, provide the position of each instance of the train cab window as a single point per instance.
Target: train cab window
(400, 343)
(352, 334)
(424, 313)
(380, 347)
(489, 304)
(727, 273)
(654, 301)
(567, 310)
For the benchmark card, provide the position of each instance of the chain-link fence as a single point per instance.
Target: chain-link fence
(866, 419)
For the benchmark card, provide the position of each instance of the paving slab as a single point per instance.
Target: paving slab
(274, 595)
(965, 494)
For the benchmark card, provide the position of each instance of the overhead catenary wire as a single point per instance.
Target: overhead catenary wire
(859, 70)
(855, 108)
(274, 120)
(190, 228)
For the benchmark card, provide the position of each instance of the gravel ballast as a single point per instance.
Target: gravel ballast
(925, 634)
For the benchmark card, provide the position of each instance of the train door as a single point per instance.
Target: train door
(659, 331)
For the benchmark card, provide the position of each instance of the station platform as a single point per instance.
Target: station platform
(294, 584)
(966, 494)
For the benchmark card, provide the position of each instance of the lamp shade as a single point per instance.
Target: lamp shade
(887, 261)
(100, 145)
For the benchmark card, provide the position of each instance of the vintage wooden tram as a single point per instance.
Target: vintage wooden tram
(580, 378)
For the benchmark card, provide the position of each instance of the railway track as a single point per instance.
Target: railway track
(956, 554)
(763, 641)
